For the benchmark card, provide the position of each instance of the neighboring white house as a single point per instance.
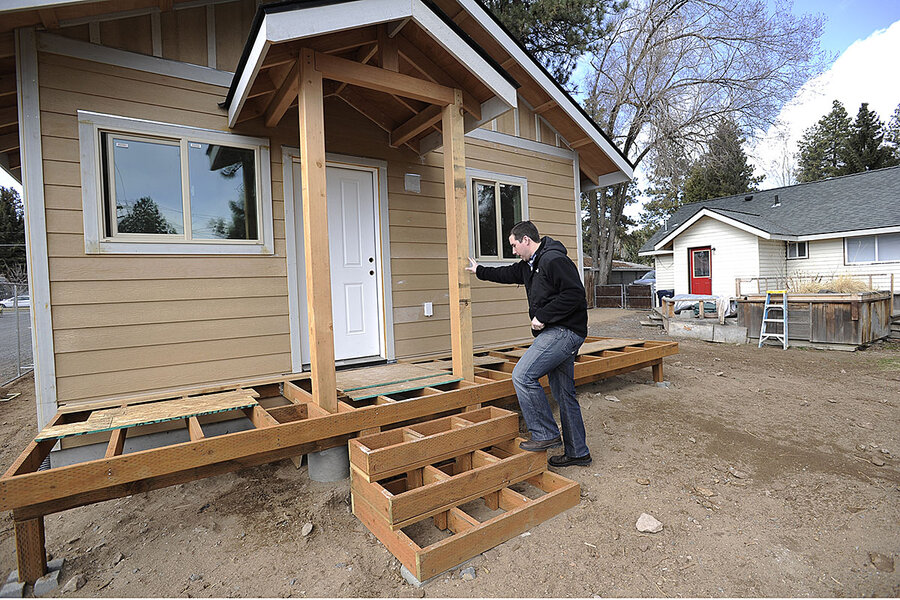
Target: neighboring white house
(844, 225)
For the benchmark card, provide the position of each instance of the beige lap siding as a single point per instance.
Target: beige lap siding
(125, 324)
(419, 248)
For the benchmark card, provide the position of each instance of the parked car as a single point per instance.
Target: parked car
(23, 302)
(648, 278)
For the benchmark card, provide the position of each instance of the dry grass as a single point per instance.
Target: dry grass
(842, 284)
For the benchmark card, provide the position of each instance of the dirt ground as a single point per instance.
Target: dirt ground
(775, 473)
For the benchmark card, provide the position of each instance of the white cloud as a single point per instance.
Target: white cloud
(861, 74)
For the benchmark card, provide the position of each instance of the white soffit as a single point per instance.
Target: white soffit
(564, 102)
(305, 22)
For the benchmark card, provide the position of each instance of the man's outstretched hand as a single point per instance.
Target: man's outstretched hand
(473, 266)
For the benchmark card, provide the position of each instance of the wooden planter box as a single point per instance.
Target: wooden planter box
(469, 536)
(829, 320)
(430, 490)
(398, 451)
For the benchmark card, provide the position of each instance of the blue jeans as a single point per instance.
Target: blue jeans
(552, 354)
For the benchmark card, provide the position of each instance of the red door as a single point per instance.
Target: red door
(700, 273)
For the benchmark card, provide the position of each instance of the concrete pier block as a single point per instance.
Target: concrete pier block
(329, 465)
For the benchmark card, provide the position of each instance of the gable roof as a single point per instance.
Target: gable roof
(828, 208)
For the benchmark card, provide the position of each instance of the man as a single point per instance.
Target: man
(558, 310)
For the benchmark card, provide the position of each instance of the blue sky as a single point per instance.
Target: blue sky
(849, 21)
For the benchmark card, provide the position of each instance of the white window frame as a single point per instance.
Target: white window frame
(875, 237)
(479, 175)
(796, 245)
(90, 126)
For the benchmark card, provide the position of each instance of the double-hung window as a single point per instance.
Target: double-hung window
(873, 248)
(160, 188)
(498, 202)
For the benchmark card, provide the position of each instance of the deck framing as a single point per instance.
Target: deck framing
(297, 427)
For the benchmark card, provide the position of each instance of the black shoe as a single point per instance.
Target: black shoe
(540, 445)
(567, 461)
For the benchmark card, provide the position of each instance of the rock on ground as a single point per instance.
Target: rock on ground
(648, 524)
(74, 584)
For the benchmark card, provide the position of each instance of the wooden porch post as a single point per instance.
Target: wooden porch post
(30, 553)
(457, 238)
(315, 232)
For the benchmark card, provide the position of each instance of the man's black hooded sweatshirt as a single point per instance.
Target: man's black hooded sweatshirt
(555, 292)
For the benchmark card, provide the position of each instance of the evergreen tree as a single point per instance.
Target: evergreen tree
(821, 151)
(865, 149)
(12, 235)
(556, 32)
(144, 217)
(723, 169)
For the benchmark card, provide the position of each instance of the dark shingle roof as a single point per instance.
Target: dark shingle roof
(853, 202)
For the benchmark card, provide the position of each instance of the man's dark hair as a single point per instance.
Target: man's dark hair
(523, 228)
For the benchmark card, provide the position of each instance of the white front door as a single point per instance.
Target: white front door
(353, 246)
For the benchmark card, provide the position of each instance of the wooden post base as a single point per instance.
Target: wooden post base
(30, 553)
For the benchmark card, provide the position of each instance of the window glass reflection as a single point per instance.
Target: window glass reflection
(223, 192)
(487, 218)
(510, 213)
(147, 178)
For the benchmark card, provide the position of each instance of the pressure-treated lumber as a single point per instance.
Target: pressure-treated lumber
(151, 412)
(439, 493)
(382, 80)
(470, 536)
(30, 554)
(315, 231)
(399, 450)
(456, 210)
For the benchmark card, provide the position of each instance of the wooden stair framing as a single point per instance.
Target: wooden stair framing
(443, 478)
(286, 422)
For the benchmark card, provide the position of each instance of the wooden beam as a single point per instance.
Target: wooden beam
(8, 84)
(9, 116)
(166, 5)
(364, 55)
(506, 64)
(116, 442)
(373, 78)
(315, 230)
(419, 123)
(7, 45)
(194, 429)
(9, 142)
(352, 97)
(49, 18)
(589, 172)
(579, 143)
(284, 97)
(429, 69)
(387, 50)
(397, 26)
(458, 239)
(30, 553)
(542, 108)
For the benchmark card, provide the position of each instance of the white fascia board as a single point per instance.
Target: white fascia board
(488, 23)
(464, 53)
(843, 234)
(57, 44)
(305, 22)
(713, 215)
(607, 180)
(525, 144)
(248, 74)
(656, 252)
(11, 5)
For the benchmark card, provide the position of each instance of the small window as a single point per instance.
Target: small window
(873, 248)
(498, 203)
(170, 189)
(797, 250)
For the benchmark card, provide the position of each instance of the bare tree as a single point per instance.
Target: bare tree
(671, 69)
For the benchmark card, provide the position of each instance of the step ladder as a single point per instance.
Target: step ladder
(772, 304)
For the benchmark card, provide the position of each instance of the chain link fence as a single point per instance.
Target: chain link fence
(15, 331)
